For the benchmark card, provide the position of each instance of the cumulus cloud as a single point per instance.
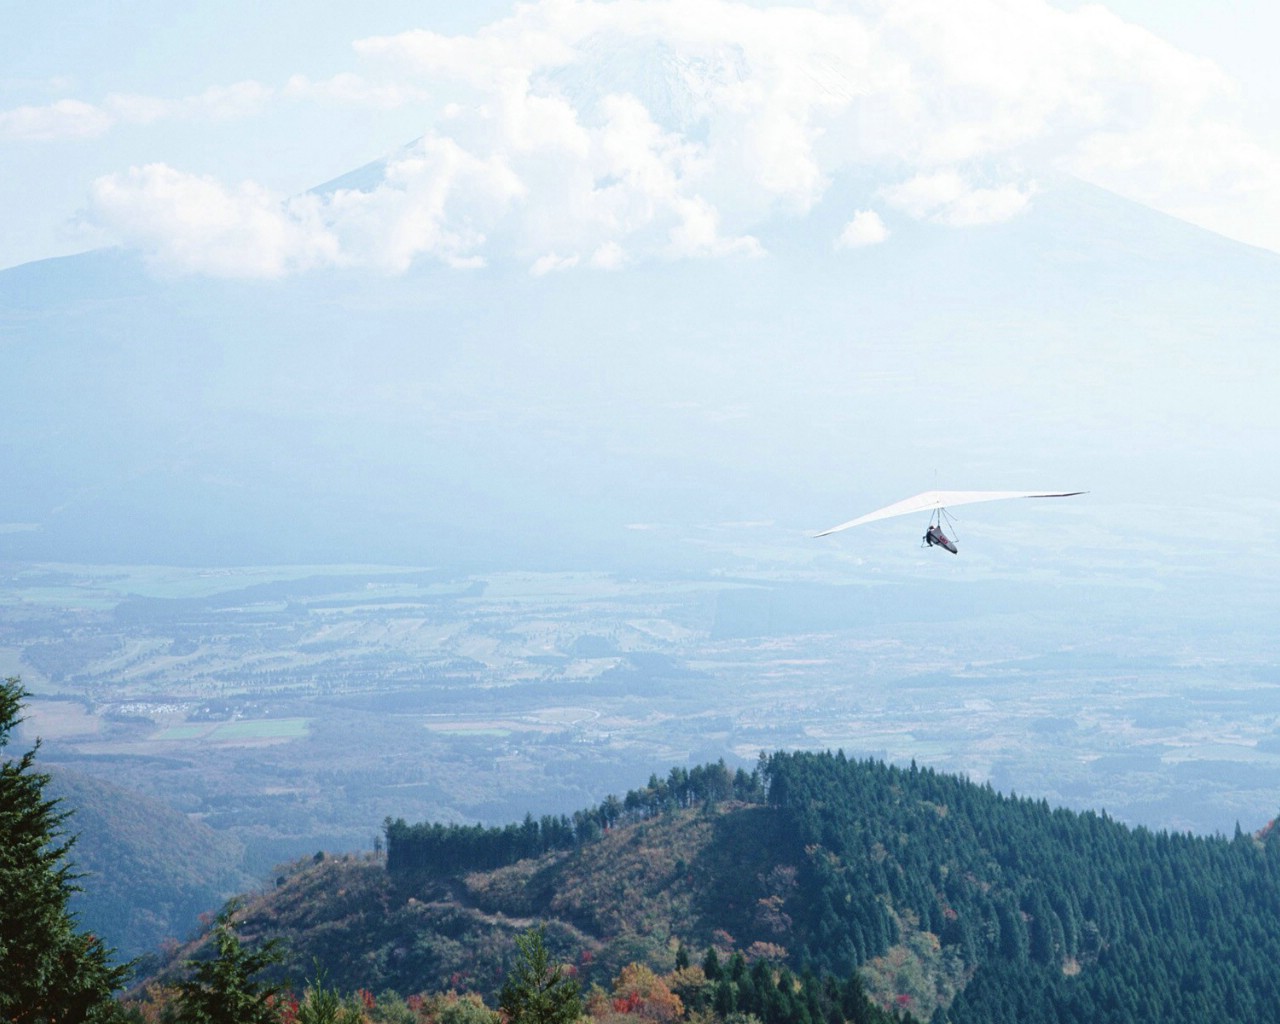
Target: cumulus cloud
(866, 228)
(550, 262)
(195, 224)
(436, 199)
(610, 256)
(579, 133)
(945, 197)
(65, 119)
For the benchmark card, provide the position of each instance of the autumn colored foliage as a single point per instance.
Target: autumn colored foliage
(538, 991)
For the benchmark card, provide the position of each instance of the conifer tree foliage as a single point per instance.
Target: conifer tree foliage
(536, 992)
(322, 1004)
(227, 989)
(1062, 917)
(50, 972)
(434, 848)
(735, 991)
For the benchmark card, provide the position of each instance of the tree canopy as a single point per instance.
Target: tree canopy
(51, 972)
(227, 989)
(537, 991)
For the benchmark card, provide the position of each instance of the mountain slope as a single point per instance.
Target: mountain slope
(149, 871)
(955, 901)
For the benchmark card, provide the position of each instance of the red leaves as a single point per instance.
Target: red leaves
(286, 1007)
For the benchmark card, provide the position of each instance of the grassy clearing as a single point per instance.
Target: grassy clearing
(253, 729)
(469, 730)
(263, 729)
(181, 732)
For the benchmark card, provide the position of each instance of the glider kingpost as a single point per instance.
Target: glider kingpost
(937, 503)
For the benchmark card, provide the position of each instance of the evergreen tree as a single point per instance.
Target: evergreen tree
(49, 971)
(324, 1005)
(711, 965)
(535, 992)
(225, 989)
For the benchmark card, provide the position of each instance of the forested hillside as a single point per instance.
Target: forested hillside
(951, 901)
(1053, 915)
(148, 870)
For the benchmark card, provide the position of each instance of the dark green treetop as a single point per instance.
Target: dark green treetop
(49, 971)
(536, 992)
(226, 989)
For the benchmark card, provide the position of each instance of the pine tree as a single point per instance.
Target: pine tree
(226, 989)
(711, 965)
(535, 992)
(324, 1005)
(50, 973)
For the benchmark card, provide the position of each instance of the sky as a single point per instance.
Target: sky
(573, 134)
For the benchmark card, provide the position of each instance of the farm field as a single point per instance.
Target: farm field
(263, 729)
(300, 707)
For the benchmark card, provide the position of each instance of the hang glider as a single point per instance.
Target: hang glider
(936, 503)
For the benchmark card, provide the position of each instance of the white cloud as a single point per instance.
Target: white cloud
(65, 119)
(866, 228)
(75, 119)
(128, 108)
(585, 133)
(988, 205)
(438, 200)
(348, 89)
(945, 197)
(551, 262)
(610, 256)
(226, 103)
(194, 224)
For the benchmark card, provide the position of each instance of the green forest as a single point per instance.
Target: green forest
(1057, 916)
(814, 889)
(982, 907)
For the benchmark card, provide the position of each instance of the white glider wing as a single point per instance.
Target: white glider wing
(931, 500)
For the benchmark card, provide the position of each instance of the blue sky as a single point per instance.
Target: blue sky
(188, 131)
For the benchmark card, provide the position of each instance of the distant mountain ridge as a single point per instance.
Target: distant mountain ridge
(956, 902)
(493, 417)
